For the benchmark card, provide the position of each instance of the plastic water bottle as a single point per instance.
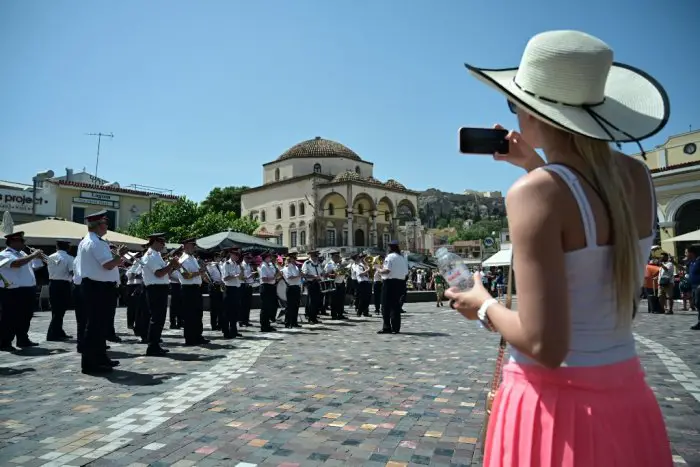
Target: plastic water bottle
(453, 269)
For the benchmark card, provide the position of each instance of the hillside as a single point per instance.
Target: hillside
(434, 205)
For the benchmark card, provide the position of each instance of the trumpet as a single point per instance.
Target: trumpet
(42, 255)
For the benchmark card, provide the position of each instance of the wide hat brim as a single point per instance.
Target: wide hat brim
(635, 103)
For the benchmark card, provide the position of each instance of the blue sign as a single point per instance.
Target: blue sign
(488, 242)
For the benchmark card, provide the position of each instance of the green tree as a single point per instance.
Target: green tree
(226, 199)
(185, 218)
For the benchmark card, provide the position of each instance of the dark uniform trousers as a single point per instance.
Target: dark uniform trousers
(231, 311)
(354, 290)
(314, 301)
(16, 315)
(175, 305)
(338, 300)
(393, 289)
(157, 295)
(268, 307)
(60, 298)
(80, 316)
(134, 296)
(99, 300)
(364, 295)
(192, 313)
(143, 316)
(111, 332)
(377, 290)
(246, 301)
(216, 306)
(291, 318)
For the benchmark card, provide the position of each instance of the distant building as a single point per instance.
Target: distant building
(320, 193)
(469, 249)
(675, 168)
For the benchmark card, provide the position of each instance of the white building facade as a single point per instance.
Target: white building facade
(320, 193)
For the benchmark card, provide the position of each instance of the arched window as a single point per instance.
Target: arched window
(262, 216)
(331, 209)
(317, 168)
(292, 210)
(279, 212)
(360, 209)
(302, 208)
(357, 170)
(302, 237)
(277, 175)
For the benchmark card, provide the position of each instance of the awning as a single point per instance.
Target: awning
(502, 258)
(687, 237)
(46, 232)
(228, 239)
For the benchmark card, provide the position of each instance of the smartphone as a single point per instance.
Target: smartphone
(483, 141)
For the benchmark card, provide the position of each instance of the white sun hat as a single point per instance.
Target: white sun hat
(569, 80)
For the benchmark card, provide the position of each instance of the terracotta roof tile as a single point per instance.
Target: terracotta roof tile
(112, 189)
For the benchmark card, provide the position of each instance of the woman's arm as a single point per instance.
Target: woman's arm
(541, 327)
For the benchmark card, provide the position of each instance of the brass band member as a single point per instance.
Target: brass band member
(155, 277)
(192, 306)
(216, 295)
(175, 312)
(364, 286)
(246, 290)
(352, 282)
(232, 274)
(134, 289)
(18, 293)
(268, 292)
(334, 270)
(394, 272)
(312, 272)
(292, 275)
(60, 268)
(99, 268)
(377, 287)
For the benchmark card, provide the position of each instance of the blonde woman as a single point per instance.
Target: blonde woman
(574, 392)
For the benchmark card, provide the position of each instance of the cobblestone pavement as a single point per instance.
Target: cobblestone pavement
(334, 394)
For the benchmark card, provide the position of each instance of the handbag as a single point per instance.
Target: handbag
(497, 373)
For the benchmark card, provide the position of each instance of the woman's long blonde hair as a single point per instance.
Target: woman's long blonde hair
(614, 185)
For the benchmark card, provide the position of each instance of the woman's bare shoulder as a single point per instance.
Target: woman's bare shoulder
(536, 184)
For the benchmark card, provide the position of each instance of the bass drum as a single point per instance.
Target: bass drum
(282, 291)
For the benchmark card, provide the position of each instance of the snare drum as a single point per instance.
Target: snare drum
(327, 285)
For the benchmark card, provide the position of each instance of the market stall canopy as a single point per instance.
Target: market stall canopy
(229, 239)
(47, 231)
(502, 258)
(687, 237)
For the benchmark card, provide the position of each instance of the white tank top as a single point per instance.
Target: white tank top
(595, 337)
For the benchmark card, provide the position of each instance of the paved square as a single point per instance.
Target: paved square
(333, 394)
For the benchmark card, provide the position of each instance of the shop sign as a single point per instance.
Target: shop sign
(20, 201)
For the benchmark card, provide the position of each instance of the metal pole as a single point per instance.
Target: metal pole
(34, 198)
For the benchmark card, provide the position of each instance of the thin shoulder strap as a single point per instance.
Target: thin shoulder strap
(652, 192)
(584, 206)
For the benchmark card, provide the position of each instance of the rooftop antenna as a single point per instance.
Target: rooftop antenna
(99, 140)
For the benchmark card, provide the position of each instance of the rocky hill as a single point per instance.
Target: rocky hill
(434, 204)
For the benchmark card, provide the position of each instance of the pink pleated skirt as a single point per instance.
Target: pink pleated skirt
(604, 416)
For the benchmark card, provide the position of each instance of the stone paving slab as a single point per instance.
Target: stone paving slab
(332, 394)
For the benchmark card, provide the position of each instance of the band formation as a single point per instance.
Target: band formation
(160, 281)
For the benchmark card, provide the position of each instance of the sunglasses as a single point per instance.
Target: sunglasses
(512, 107)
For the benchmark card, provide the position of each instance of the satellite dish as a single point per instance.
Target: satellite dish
(488, 242)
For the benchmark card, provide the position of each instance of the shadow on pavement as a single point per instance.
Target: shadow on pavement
(130, 378)
(14, 371)
(424, 334)
(38, 352)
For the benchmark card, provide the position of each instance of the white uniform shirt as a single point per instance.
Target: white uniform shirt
(18, 277)
(190, 264)
(267, 271)
(151, 262)
(134, 273)
(175, 277)
(312, 269)
(247, 273)
(94, 253)
(353, 275)
(377, 275)
(232, 268)
(60, 266)
(359, 269)
(397, 265)
(77, 278)
(214, 270)
(330, 268)
(289, 271)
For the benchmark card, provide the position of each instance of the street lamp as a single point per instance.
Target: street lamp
(39, 177)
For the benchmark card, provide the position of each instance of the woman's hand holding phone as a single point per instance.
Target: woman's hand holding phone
(520, 154)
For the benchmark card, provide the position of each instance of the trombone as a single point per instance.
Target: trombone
(42, 255)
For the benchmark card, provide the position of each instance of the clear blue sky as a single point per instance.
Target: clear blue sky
(200, 94)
